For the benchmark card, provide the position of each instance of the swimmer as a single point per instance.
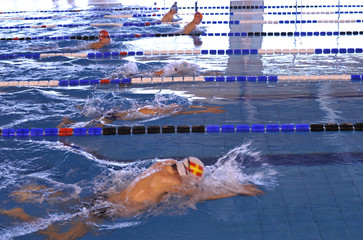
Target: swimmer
(170, 176)
(172, 69)
(104, 40)
(176, 69)
(145, 112)
(168, 17)
(183, 69)
(198, 17)
(181, 178)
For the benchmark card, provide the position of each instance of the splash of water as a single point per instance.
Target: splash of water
(176, 68)
(241, 165)
(180, 68)
(127, 70)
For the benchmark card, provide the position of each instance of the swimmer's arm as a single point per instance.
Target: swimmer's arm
(188, 28)
(77, 230)
(217, 196)
(17, 213)
(65, 122)
(195, 106)
(245, 190)
(201, 196)
(96, 45)
(203, 110)
(167, 17)
(83, 149)
(159, 73)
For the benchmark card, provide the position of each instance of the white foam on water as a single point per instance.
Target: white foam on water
(176, 68)
(241, 165)
(180, 68)
(117, 225)
(127, 70)
(9, 174)
(28, 111)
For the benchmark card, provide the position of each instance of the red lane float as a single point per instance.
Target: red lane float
(65, 132)
(105, 81)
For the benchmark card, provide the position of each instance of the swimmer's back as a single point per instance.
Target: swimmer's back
(151, 186)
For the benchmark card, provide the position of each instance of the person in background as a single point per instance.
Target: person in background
(198, 17)
(105, 39)
(168, 17)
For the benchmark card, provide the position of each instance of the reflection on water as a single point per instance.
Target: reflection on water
(326, 102)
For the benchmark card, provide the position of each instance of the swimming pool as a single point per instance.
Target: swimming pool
(312, 179)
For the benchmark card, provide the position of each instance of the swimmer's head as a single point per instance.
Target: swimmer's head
(103, 34)
(182, 66)
(191, 167)
(174, 8)
(198, 16)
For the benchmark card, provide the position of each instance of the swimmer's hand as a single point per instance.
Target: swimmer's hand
(244, 189)
(249, 190)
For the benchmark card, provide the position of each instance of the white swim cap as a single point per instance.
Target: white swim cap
(191, 166)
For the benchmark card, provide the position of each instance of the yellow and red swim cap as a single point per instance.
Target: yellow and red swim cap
(198, 15)
(104, 33)
(191, 166)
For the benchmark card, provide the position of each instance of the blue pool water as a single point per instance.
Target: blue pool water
(312, 180)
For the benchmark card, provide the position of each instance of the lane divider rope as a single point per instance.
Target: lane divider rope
(117, 55)
(231, 34)
(199, 7)
(142, 24)
(136, 130)
(246, 13)
(160, 80)
(205, 14)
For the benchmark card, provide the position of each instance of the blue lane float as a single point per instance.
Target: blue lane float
(258, 128)
(228, 128)
(272, 128)
(302, 128)
(287, 128)
(51, 132)
(36, 132)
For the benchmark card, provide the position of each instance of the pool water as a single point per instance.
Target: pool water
(312, 180)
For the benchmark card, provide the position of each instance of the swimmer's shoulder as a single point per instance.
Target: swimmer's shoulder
(164, 163)
(96, 45)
